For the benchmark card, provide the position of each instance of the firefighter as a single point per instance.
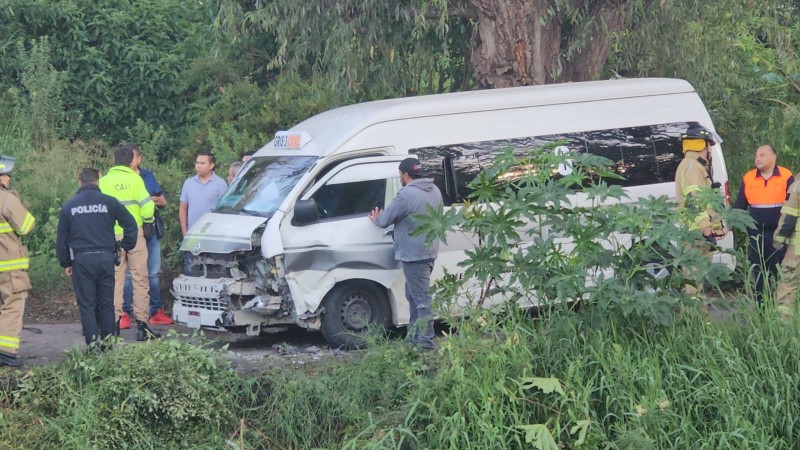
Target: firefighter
(86, 246)
(15, 221)
(692, 176)
(786, 238)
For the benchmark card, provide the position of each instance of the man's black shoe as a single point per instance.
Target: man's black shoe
(144, 333)
(10, 360)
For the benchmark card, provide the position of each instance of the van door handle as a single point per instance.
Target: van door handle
(389, 232)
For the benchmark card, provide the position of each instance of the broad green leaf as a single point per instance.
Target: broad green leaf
(583, 426)
(539, 436)
(546, 385)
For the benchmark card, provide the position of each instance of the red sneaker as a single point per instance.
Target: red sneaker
(124, 321)
(159, 318)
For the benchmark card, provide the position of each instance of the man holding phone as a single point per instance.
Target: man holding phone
(152, 237)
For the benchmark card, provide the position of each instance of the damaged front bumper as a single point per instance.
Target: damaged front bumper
(207, 303)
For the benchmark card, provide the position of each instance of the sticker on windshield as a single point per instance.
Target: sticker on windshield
(292, 140)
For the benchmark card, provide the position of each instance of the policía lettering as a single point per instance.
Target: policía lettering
(89, 209)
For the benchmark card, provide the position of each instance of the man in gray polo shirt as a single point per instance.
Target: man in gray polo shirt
(200, 193)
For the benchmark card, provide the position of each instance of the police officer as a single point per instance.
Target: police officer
(86, 247)
(15, 221)
(692, 176)
(763, 192)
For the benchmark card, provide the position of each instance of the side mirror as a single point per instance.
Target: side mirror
(305, 212)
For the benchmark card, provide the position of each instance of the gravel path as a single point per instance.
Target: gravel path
(46, 344)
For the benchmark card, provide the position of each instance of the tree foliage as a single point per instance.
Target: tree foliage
(536, 243)
(742, 57)
(426, 46)
(375, 48)
(121, 60)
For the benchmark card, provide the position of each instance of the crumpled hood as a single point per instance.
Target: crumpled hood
(221, 234)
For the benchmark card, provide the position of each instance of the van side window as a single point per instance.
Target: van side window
(437, 163)
(643, 155)
(669, 151)
(631, 151)
(347, 199)
(453, 167)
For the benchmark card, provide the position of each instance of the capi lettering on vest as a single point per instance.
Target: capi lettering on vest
(89, 209)
(122, 187)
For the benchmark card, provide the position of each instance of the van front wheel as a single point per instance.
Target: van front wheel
(352, 311)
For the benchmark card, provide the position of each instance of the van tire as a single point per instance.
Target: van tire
(353, 310)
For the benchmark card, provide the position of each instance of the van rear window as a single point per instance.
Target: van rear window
(642, 155)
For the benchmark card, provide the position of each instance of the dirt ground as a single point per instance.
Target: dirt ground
(52, 326)
(53, 308)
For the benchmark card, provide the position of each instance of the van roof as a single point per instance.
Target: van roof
(330, 129)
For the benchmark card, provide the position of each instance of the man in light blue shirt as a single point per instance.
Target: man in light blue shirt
(200, 193)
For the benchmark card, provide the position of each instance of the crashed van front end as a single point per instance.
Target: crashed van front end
(231, 286)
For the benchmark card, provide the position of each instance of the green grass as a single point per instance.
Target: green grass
(47, 277)
(497, 383)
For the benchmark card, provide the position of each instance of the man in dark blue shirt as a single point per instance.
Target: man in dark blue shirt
(157, 315)
(763, 191)
(86, 247)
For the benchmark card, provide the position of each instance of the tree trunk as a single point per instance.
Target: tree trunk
(519, 42)
(516, 43)
(589, 59)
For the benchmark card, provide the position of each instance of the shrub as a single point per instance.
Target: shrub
(125, 64)
(156, 395)
(539, 246)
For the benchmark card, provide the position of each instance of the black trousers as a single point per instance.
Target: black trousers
(764, 260)
(93, 282)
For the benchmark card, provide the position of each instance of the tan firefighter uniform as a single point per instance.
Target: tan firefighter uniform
(691, 177)
(786, 235)
(15, 221)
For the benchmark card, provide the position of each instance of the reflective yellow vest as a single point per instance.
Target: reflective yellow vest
(128, 187)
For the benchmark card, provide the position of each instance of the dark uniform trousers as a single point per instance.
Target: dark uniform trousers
(86, 242)
(93, 282)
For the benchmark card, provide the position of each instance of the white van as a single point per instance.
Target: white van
(290, 242)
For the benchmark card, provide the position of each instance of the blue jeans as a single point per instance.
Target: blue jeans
(153, 272)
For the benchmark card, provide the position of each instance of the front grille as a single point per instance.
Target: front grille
(200, 293)
(211, 304)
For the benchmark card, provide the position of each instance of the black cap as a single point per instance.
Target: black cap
(412, 167)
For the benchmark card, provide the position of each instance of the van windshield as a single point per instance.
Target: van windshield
(263, 185)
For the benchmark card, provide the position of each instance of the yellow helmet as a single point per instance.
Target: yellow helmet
(696, 137)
